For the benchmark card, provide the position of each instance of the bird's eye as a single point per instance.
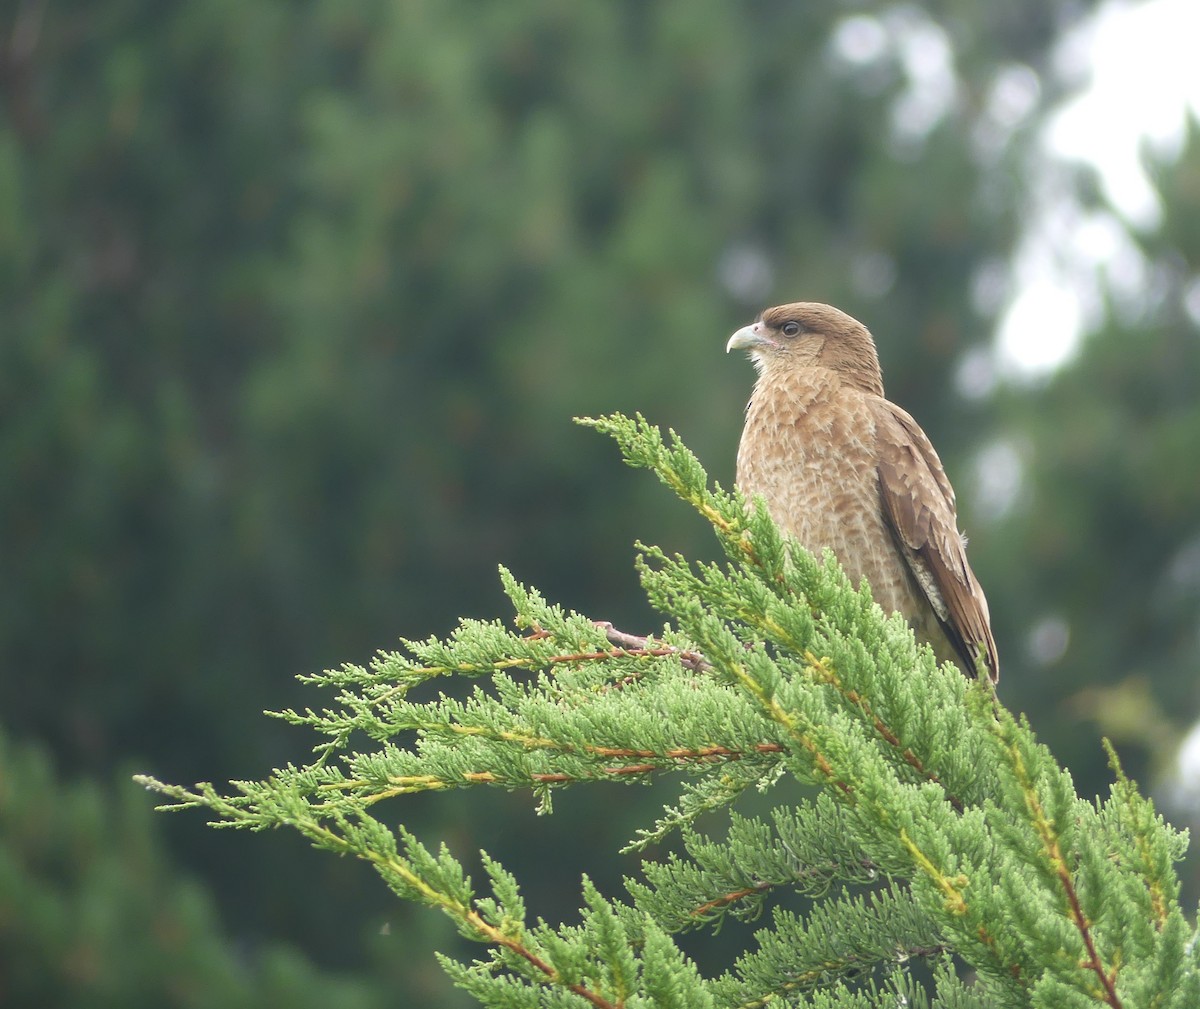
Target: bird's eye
(790, 328)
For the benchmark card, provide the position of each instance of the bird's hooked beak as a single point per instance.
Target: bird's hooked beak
(753, 337)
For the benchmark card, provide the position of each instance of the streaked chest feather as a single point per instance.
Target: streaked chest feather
(810, 451)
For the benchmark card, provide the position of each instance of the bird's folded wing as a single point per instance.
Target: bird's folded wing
(918, 506)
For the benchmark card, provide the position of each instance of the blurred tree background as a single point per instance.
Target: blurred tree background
(298, 302)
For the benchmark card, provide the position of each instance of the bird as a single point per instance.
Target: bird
(838, 465)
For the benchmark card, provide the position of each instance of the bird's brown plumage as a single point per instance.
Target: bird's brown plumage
(839, 466)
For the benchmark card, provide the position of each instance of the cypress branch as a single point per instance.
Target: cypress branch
(943, 831)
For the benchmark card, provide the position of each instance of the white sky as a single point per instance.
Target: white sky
(1143, 72)
(1136, 71)
(1142, 69)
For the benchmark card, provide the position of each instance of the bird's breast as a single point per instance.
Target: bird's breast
(811, 454)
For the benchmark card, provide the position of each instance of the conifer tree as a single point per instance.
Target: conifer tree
(940, 831)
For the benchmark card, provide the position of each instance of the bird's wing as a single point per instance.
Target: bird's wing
(918, 506)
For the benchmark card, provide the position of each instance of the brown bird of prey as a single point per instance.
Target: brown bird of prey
(839, 466)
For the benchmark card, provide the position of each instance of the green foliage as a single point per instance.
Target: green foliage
(92, 912)
(286, 288)
(942, 828)
(298, 299)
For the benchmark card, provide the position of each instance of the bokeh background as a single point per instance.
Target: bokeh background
(297, 302)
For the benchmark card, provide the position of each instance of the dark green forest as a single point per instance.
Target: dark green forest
(298, 303)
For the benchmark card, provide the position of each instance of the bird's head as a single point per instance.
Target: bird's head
(806, 334)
